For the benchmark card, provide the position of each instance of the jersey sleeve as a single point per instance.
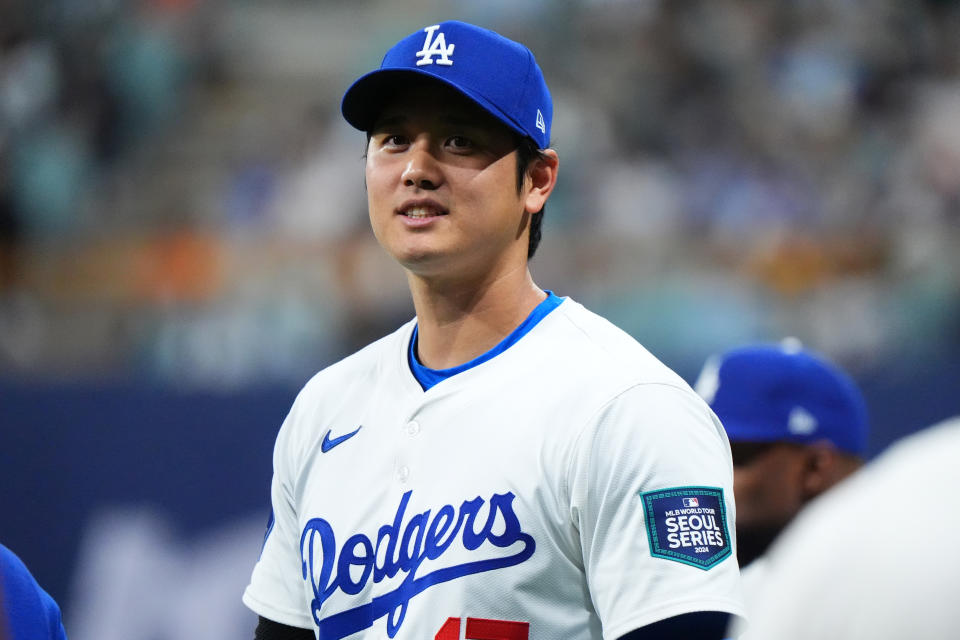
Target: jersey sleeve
(276, 588)
(651, 494)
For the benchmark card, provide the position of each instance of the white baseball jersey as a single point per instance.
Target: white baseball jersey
(753, 581)
(570, 487)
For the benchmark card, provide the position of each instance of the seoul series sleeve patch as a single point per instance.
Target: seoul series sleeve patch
(688, 525)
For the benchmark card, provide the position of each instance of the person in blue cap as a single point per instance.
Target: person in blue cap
(797, 426)
(27, 612)
(507, 465)
(870, 559)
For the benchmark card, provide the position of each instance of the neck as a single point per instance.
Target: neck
(459, 321)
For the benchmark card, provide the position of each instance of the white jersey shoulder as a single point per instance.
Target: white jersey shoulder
(613, 349)
(583, 362)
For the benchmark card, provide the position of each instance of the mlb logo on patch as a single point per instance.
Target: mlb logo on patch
(687, 525)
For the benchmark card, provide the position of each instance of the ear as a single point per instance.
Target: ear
(820, 469)
(542, 176)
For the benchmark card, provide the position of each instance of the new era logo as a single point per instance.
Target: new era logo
(540, 122)
(435, 46)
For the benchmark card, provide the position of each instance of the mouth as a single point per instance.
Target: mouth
(421, 211)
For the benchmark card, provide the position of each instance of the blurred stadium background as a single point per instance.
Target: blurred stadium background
(183, 240)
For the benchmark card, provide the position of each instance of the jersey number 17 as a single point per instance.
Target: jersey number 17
(483, 629)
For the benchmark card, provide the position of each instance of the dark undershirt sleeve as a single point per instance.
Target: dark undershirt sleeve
(702, 625)
(269, 630)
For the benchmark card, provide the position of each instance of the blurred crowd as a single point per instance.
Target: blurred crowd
(181, 202)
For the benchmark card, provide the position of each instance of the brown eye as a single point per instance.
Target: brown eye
(394, 140)
(460, 143)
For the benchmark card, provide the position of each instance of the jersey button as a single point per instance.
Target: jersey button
(412, 428)
(403, 473)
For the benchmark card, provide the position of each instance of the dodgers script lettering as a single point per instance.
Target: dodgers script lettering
(400, 548)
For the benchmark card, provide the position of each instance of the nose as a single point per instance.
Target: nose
(422, 170)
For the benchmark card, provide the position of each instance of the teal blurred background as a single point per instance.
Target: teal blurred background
(183, 240)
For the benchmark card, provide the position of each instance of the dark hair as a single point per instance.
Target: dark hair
(528, 152)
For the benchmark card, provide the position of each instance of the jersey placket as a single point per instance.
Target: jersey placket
(407, 448)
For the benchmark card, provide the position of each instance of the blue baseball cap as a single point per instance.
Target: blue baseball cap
(499, 75)
(768, 393)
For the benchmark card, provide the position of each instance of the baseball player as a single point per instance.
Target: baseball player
(871, 560)
(797, 426)
(27, 612)
(506, 465)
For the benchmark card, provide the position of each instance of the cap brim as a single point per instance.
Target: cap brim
(365, 99)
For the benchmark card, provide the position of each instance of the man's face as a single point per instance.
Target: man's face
(442, 186)
(768, 485)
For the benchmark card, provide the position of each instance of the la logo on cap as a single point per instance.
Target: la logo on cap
(435, 47)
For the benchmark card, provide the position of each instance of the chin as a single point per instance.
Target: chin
(434, 264)
(423, 264)
(419, 250)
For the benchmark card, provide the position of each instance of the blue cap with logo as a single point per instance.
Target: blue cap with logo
(498, 74)
(766, 393)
